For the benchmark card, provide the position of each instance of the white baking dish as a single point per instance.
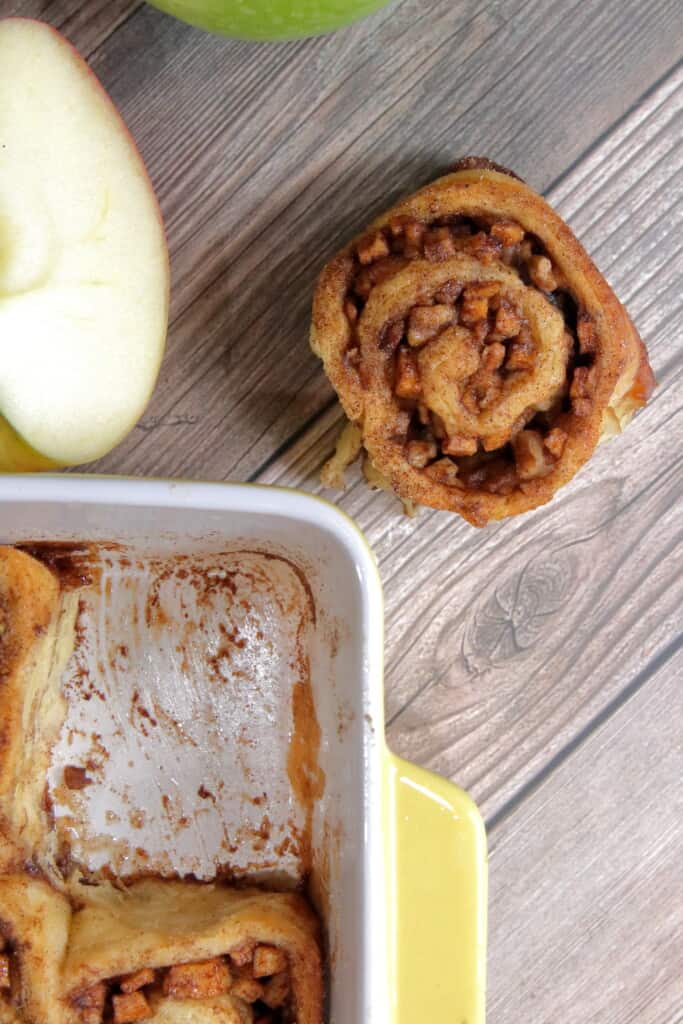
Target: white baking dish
(399, 854)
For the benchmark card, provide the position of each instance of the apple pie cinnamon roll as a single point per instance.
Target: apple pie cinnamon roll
(37, 629)
(169, 951)
(165, 951)
(34, 929)
(477, 351)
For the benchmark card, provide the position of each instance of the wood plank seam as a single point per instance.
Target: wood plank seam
(231, 197)
(583, 915)
(92, 54)
(295, 197)
(368, 129)
(661, 88)
(661, 659)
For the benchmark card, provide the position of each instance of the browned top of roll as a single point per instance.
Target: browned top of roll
(477, 346)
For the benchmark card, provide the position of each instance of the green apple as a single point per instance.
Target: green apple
(84, 271)
(269, 19)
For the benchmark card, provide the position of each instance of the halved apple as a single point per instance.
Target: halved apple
(84, 271)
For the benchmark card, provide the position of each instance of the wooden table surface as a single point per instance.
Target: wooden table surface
(537, 662)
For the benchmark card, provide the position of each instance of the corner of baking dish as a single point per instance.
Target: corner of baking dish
(426, 860)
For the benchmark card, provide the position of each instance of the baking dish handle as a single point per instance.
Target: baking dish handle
(437, 878)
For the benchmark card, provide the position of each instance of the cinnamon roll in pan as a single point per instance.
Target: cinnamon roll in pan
(37, 629)
(157, 950)
(34, 930)
(198, 944)
(474, 346)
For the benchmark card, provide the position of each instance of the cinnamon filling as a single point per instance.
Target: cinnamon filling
(5, 968)
(255, 973)
(9, 971)
(471, 342)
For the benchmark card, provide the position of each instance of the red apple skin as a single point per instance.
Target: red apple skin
(27, 459)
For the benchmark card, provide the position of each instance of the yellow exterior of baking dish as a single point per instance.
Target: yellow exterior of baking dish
(436, 898)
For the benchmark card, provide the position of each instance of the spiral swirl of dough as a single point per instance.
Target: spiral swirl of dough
(475, 346)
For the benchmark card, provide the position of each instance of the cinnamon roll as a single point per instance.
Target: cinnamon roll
(475, 347)
(160, 950)
(37, 631)
(34, 928)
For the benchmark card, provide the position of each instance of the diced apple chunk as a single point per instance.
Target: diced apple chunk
(247, 989)
(90, 1004)
(137, 980)
(243, 954)
(199, 980)
(130, 1007)
(276, 991)
(269, 960)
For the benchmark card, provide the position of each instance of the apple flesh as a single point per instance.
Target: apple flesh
(84, 273)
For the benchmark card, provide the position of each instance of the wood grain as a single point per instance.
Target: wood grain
(584, 915)
(86, 25)
(267, 157)
(537, 662)
(502, 644)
